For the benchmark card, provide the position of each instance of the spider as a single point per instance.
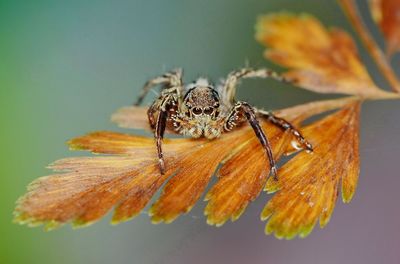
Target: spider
(200, 110)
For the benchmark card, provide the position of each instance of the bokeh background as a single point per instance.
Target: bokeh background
(65, 66)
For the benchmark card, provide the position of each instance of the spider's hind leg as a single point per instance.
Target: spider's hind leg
(169, 79)
(286, 126)
(228, 88)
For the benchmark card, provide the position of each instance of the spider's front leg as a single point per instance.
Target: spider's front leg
(243, 108)
(165, 105)
(162, 107)
(228, 90)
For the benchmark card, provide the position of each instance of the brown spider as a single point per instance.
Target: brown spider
(199, 109)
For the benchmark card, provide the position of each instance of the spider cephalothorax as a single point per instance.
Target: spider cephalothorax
(198, 115)
(200, 110)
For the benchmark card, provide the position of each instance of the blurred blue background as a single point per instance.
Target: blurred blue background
(65, 66)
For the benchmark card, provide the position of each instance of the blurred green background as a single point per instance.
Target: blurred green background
(65, 66)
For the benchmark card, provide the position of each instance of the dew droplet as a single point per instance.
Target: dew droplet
(295, 145)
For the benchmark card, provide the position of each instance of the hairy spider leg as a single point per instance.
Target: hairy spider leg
(169, 79)
(172, 89)
(151, 114)
(250, 114)
(228, 88)
(166, 103)
(286, 126)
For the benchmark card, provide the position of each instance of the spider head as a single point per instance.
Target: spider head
(201, 100)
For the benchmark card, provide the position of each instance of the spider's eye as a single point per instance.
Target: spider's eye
(197, 111)
(208, 110)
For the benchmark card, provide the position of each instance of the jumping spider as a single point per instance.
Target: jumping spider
(200, 110)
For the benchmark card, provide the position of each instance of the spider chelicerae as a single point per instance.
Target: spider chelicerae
(200, 110)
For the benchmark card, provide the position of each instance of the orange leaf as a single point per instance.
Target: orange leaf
(321, 60)
(129, 115)
(239, 185)
(86, 188)
(195, 171)
(308, 184)
(386, 15)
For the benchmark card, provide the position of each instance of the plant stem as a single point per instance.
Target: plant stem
(350, 8)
